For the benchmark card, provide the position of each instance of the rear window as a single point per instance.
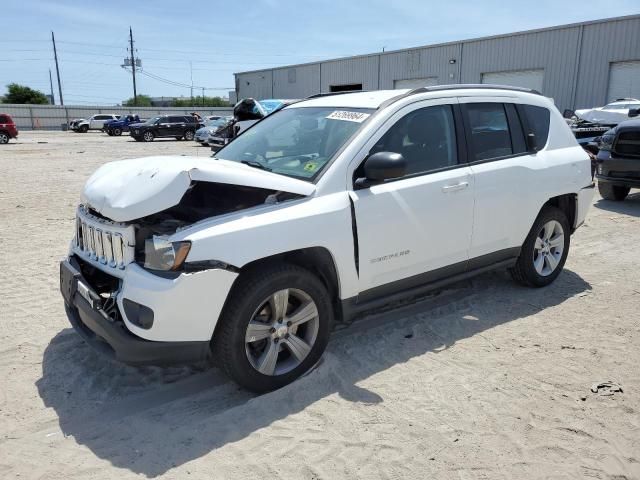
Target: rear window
(538, 121)
(489, 128)
(5, 119)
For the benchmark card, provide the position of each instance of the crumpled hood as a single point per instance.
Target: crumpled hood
(131, 189)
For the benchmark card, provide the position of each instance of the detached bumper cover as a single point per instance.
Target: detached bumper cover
(115, 339)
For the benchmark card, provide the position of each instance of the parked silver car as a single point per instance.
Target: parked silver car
(210, 127)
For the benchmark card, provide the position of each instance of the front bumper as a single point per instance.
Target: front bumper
(623, 171)
(111, 338)
(184, 312)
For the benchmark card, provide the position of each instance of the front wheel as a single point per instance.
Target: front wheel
(545, 249)
(116, 131)
(84, 129)
(609, 191)
(274, 327)
(189, 134)
(148, 136)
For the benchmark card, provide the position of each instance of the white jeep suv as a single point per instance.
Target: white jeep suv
(330, 207)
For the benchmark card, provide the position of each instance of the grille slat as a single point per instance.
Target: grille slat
(100, 240)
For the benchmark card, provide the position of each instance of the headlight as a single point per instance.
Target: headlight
(160, 254)
(606, 141)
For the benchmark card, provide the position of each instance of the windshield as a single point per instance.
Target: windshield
(297, 142)
(270, 105)
(215, 123)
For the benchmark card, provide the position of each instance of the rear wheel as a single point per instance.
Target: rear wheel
(609, 191)
(4, 138)
(545, 249)
(148, 136)
(274, 328)
(189, 134)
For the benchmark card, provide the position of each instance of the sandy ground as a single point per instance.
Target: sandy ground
(485, 380)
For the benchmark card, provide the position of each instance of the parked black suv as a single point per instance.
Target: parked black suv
(618, 160)
(176, 126)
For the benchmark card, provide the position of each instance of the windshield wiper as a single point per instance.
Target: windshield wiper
(254, 164)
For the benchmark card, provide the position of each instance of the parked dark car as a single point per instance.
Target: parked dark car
(618, 160)
(165, 126)
(8, 128)
(116, 127)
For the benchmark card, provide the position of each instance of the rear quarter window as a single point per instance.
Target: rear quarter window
(537, 120)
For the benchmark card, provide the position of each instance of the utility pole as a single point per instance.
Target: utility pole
(133, 69)
(191, 70)
(203, 96)
(55, 56)
(53, 99)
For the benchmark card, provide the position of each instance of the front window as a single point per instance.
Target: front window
(152, 121)
(297, 142)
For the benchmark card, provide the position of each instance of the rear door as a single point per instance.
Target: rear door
(507, 177)
(417, 228)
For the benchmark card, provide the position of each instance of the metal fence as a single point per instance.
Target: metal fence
(53, 117)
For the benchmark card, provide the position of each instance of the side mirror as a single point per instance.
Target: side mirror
(568, 113)
(382, 166)
(532, 147)
(634, 112)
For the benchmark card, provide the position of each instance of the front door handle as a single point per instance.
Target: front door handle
(456, 187)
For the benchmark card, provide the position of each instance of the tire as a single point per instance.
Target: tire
(116, 131)
(4, 138)
(608, 191)
(148, 136)
(250, 302)
(189, 134)
(83, 129)
(178, 138)
(541, 259)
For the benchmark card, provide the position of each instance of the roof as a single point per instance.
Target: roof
(443, 44)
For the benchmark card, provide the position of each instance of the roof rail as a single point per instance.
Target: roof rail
(480, 86)
(463, 86)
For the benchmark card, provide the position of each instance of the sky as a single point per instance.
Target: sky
(203, 43)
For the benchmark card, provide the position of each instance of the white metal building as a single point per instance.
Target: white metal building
(580, 65)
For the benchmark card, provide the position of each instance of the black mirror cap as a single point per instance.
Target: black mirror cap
(383, 166)
(634, 112)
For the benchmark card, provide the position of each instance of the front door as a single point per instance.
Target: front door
(417, 228)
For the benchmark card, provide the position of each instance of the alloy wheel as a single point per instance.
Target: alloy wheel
(548, 248)
(282, 332)
(4, 138)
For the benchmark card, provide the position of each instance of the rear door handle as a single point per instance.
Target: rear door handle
(456, 187)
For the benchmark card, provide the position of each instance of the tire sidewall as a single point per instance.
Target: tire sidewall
(547, 215)
(247, 302)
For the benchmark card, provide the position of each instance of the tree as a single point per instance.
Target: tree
(143, 101)
(23, 94)
(200, 102)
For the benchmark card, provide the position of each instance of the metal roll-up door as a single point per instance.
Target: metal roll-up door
(415, 83)
(516, 78)
(624, 80)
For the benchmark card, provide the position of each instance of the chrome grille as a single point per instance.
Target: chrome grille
(102, 241)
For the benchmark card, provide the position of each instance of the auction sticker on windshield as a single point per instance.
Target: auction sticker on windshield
(357, 117)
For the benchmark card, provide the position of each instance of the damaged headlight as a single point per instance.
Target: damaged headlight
(606, 142)
(161, 254)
